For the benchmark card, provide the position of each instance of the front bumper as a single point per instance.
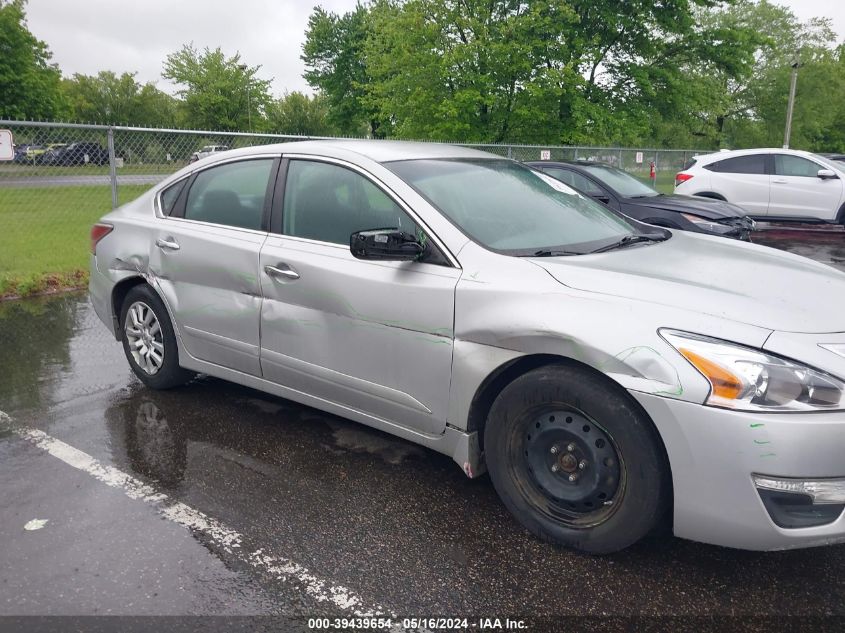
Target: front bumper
(713, 454)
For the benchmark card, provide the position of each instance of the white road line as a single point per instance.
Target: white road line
(227, 539)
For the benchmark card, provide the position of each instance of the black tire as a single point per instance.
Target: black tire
(613, 502)
(168, 374)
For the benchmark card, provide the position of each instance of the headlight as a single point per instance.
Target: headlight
(750, 380)
(708, 225)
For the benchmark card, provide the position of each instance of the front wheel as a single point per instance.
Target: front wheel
(149, 340)
(575, 460)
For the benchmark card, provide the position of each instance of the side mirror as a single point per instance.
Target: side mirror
(827, 174)
(385, 245)
(601, 198)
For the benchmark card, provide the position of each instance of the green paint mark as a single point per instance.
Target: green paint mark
(768, 455)
(756, 425)
(762, 442)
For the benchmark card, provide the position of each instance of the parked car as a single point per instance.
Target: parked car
(770, 184)
(49, 155)
(607, 373)
(20, 153)
(34, 152)
(207, 150)
(622, 192)
(79, 153)
(839, 158)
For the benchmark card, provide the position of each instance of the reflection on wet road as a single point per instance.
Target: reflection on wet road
(399, 525)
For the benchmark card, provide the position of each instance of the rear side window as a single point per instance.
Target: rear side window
(786, 165)
(232, 194)
(329, 203)
(751, 164)
(170, 195)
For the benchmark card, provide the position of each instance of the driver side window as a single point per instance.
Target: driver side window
(787, 165)
(328, 203)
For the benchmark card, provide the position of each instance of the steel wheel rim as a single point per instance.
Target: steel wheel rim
(591, 498)
(144, 337)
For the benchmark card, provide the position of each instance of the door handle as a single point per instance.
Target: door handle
(779, 181)
(287, 271)
(169, 244)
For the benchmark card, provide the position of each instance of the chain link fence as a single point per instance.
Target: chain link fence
(65, 176)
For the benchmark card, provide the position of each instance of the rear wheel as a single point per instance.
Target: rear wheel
(575, 460)
(149, 340)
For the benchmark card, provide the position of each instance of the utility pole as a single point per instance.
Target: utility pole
(244, 68)
(796, 64)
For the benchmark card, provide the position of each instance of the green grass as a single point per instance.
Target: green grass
(665, 180)
(44, 234)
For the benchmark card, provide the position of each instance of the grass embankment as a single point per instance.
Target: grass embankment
(44, 235)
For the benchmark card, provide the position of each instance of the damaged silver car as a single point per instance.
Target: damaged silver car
(608, 374)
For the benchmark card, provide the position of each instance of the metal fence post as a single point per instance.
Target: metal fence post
(510, 151)
(112, 168)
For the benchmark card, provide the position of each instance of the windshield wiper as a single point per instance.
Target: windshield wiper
(628, 240)
(552, 253)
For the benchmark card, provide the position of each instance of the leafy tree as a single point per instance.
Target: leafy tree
(297, 113)
(752, 104)
(29, 83)
(335, 65)
(219, 92)
(111, 99)
(549, 71)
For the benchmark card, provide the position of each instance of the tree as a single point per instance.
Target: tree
(297, 113)
(29, 83)
(219, 92)
(111, 99)
(334, 60)
(752, 105)
(548, 71)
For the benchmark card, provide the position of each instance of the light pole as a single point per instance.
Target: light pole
(796, 64)
(244, 67)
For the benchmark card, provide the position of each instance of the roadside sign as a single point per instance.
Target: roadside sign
(639, 158)
(545, 154)
(7, 147)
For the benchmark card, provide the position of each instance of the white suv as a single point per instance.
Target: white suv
(207, 150)
(770, 184)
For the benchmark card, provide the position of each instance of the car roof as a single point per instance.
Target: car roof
(708, 158)
(381, 151)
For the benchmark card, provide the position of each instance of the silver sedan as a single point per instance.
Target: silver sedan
(608, 374)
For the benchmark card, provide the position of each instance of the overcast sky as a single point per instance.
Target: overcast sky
(87, 36)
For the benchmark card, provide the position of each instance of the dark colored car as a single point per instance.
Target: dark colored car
(623, 193)
(78, 153)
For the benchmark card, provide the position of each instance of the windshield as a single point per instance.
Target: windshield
(510, 208)
(830, 162)
(622, 183)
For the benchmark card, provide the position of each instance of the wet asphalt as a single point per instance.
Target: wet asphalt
(399, 525)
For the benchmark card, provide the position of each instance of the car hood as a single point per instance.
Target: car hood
(727, 279)
(709, 208)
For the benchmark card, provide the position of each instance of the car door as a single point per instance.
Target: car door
(798, 192)
(205, 259)
(743, 180)
(374, 336)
